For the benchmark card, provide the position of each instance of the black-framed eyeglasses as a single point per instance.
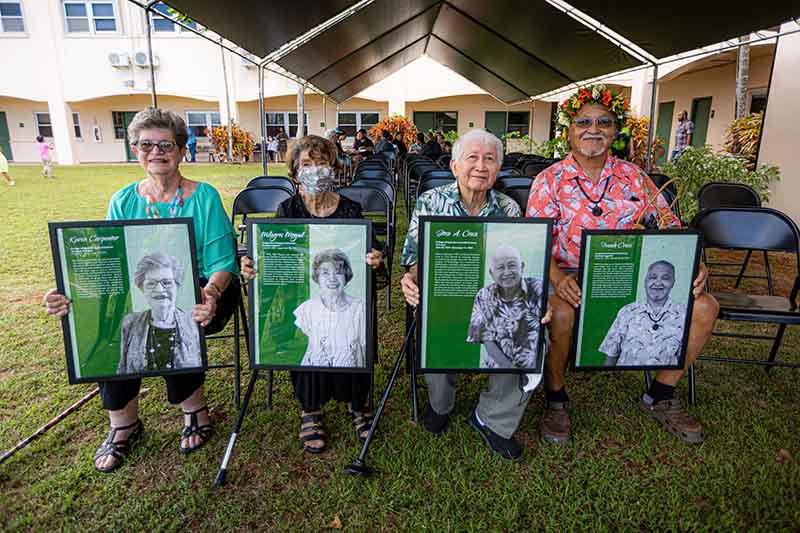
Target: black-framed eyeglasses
(151, 284)
(601, 122)
(164, 146)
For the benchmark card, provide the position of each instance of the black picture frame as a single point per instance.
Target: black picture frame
(369, 349)
(422, 258)
(585, 235)
(55, 227)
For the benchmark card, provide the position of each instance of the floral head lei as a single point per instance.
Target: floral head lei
(593, 94)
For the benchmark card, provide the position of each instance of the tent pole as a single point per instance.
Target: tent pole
(301, 112)
(651, 130)
(227, 102)
(766, 105)
(153, 95)
(262, 121)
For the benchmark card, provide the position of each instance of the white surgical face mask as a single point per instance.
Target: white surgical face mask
(316, 179)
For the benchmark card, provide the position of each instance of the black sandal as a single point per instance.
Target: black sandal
(204, 432)
(311, 429)
(362, 422)
(118, 449)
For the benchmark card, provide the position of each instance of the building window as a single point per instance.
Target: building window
(758, 101)
(352, 121)
(201, 122)
(518, 121)
(119, 124)
(283, 120)
(442, 121)
(43, 125)
(11, 17)
(90, 17)
(164, 23)
(76, 125)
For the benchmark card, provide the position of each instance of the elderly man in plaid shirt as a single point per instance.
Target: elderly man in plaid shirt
(683, 135)
(591, 189)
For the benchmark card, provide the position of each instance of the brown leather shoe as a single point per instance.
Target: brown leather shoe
(554, 426)
(674, 418)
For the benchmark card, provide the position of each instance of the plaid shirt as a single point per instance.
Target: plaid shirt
(685, 129)
(446, 201)
(555, 194)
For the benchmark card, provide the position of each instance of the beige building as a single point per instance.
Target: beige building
(76, 72)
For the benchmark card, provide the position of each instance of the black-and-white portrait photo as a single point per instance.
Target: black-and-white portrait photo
(164, 337)
(506, 313)
(333, 321)
(648, 331)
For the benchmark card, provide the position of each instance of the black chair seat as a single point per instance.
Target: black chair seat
(737, 306)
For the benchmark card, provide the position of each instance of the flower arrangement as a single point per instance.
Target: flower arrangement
(592, 94)
(396, 123)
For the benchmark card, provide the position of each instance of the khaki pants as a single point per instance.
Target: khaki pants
(47, 168)
(501, 404)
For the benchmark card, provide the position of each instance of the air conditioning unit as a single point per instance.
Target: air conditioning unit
(142, 60)
(119, 59)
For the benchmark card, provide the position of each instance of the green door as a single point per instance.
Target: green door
(495, 123)
(424, 120)
(122, 120)
(664, 128)
(5, 137)
(701, 112)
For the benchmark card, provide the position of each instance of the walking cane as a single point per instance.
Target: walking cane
(42, 430)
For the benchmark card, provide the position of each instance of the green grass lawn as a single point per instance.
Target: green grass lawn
(622, 472)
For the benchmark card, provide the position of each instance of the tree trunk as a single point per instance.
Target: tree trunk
(742, 76)
(227, 103)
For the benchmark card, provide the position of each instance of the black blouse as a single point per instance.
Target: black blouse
(294, 207)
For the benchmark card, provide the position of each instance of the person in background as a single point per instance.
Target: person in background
(384, 144)
(4, 169)
(283, 144)
(272, 149)
(447, 147)
(191, 145)
(363, 142)
(416, 148)
(683, 135)
(399, 144)
(44, 155)
(432, 148)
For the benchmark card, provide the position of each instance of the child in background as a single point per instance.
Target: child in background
(44, 155)
(4, 168)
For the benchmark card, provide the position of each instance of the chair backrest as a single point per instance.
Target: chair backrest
(372, 164)
(420, 166)
(721, 194)
(259, 200)
(507, 172)
(372, 173)
(436, 173)
(433, 183)
(384, 186)
(271, 181)
(519, 194)
(372, 200)
(748, 228)
(669, 192)
(513, 181)
(444, 161)
(511, 159)
(532, 168)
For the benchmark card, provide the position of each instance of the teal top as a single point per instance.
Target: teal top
(216, 240)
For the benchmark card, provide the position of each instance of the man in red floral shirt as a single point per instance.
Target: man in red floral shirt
(591, 189)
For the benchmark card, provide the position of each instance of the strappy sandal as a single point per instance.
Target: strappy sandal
(362, 423)
(194, 428)
(311, 429)
(118, 450)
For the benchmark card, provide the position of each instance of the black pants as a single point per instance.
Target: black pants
(115, 395)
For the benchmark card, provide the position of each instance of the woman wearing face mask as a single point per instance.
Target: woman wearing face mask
(311, 161)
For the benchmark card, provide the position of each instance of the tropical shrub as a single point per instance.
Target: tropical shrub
(551, 149)
(742, 135)
(695, 167)
(636, 129)
(395, 123)
(243, 144)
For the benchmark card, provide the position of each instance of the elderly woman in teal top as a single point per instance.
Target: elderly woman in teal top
(159, 140)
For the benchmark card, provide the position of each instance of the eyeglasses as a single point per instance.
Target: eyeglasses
(151, 284)
(602, 122)
(164, 146)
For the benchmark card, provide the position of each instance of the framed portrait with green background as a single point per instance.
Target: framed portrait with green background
(636, 299)
(484, 285)
(311, 302)
(132, 286)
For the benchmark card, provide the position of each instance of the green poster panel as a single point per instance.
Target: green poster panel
(484, 288)
(131, 286)
(311, 301)
(636, 299)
